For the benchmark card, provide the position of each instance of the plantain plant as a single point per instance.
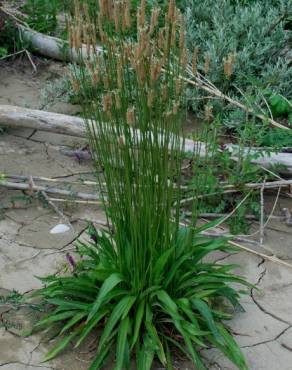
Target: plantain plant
(144, 283)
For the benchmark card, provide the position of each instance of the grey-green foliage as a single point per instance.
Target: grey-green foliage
(220, 27)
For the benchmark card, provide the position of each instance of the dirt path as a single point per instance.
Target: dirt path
(27, 250)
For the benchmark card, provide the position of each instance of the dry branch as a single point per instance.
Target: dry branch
(49, 190)
(13, 116)
(42, 44)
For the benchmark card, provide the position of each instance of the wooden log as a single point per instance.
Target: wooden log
(13, 116)
(48, 46)
(53, 47)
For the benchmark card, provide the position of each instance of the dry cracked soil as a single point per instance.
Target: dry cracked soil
(28, 250)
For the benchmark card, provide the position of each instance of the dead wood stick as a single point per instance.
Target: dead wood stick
(85, 202)
(272, 258)
(49, 179)
(49, 190)
(258, 185)
(195, 81)
(248, 217)
(13, 116)
(56, 209)
(262, 205)
(52, 205)
(264, 256)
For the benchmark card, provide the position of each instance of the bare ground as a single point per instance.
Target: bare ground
(27, 250)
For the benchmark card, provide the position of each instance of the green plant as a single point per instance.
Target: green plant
(181, 301)
(214, 174)
(42, 14)
(250, 34)
(9, 41)
(144, 283)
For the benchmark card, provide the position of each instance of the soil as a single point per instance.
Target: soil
(28, 249)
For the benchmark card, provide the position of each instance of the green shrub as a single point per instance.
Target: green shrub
(42, 14)
(248, 29)
(9, 42)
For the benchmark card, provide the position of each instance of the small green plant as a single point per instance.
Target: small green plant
(215, 172)
(42, 14)
(9, 41)
(144, 283)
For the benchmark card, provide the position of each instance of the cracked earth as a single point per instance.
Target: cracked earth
(28, 250)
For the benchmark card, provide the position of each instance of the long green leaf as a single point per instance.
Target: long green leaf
(75, 319)
(61, 345)
(160, 265)
(55, 318)
(120, 311)
(206, 313)
(138, 322)
(145, 355)
(91, 324)
(106, 287)
(168, 303)
(121, 344)
(100, 357)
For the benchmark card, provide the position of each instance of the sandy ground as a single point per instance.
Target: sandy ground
(27, 250)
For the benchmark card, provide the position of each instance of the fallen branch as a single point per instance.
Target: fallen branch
(56, 209)
(14, 117)
(47, 46)
(49, 179)
(49, 190)
(272, 258)
(84, 202)
(248, 217)
(264, 256)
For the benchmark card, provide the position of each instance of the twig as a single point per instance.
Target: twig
(266, 257)
(26, 52)
(86, 202)
(248, 217)
(49, 179)
(231, 189)
(12, 54)
(23, 186)
(233, 211)
(270, 215)
(31, 61)
(211, 89)
(56, 209)
(187, 200)
(262, 215)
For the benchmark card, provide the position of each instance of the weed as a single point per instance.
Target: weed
(144, 282)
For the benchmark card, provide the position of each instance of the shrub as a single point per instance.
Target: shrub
(249, 31)
(42, 14)
(145, 282)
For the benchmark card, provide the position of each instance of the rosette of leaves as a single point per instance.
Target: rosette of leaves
(144, 284)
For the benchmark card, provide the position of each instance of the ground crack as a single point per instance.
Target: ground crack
(269, 340)
(267, 312)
